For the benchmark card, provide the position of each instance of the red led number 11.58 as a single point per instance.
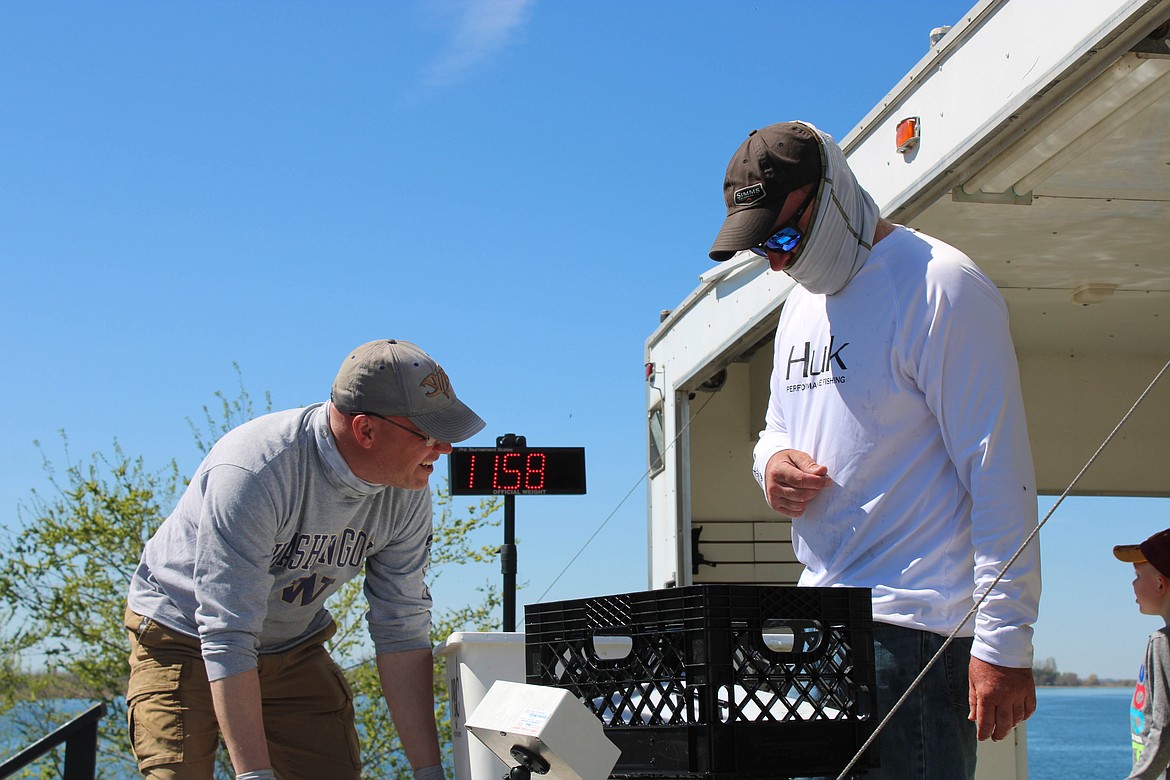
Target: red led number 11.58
(510, 470)
(480, 471)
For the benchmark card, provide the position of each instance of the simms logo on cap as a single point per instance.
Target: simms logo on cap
(749, 195)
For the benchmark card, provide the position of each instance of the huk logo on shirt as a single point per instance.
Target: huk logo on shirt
(814, 362)
(437, 383)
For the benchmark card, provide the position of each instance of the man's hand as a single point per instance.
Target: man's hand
(1000, 697)
(792, 479)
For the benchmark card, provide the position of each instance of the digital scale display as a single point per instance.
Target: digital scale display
(528, 471)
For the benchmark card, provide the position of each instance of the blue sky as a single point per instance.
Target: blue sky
(519, 186)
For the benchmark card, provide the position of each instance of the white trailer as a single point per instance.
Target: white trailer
(1044, 154)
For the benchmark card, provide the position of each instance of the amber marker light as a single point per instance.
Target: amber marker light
(908, 134)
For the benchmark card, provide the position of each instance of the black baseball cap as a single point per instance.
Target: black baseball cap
(1155, 551)
(771, 163)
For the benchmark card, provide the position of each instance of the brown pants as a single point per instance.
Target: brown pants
(307, 705)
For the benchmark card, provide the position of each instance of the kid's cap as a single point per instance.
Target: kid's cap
(397, 379)
(1155, 551)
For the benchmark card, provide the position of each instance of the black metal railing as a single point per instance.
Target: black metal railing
(80, 738)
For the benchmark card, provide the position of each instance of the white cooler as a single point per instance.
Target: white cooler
(474, 662)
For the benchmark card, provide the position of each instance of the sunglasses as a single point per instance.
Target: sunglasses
(786, 238)
(429, 441)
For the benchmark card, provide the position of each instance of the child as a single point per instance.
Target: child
(1149, 715)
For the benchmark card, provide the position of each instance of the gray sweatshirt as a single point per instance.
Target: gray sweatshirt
(271, 525)
(1149, 714)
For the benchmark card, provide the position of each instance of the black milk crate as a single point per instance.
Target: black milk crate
(717, 681)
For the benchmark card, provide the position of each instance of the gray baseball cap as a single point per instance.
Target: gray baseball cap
(395, 378)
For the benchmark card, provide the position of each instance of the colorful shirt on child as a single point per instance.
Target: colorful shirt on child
(1149, 713)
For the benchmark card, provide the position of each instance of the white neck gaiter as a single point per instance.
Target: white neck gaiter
(840, 234)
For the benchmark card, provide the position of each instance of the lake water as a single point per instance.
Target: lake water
(1076, 734)
(1080, 734)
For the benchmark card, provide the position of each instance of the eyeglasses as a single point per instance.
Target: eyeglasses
(429, 441)
(788, 237)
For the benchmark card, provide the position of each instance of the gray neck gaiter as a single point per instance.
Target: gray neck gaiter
(840, 234)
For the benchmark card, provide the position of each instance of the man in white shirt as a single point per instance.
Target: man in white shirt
(895, 439)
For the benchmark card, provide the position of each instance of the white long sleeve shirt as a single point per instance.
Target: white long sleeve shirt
(905, 386)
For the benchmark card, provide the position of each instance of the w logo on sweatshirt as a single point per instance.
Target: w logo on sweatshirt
(306, 589)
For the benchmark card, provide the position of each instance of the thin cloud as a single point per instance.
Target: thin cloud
(482, 28)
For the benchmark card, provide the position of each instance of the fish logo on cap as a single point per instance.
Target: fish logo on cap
(437, 383)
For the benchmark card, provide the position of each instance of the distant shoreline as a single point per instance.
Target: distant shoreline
(1104, 684)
